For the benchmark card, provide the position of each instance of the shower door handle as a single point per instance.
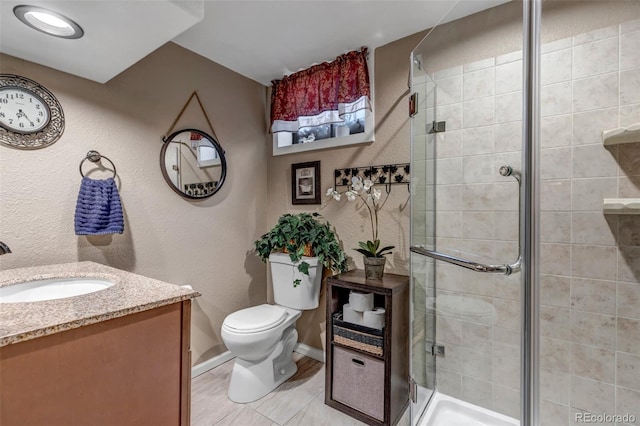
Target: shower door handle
(506, 269)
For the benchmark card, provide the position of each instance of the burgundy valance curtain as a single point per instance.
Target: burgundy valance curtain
(321, 94)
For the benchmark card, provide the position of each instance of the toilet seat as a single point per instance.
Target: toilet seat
(255, 319)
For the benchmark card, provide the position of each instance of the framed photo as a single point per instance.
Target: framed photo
(413, 104)
(305, 183)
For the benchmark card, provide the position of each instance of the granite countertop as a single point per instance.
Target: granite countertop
(130, 293)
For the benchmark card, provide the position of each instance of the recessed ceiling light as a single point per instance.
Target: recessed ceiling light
(48, 21)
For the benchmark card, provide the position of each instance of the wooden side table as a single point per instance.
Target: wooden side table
(367, 371)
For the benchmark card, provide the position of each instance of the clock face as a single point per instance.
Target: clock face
(30, 115)
(22, 111)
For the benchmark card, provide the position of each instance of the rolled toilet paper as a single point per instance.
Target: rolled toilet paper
(361, 301)
(342, 131)
(350, 315)
(374, 318)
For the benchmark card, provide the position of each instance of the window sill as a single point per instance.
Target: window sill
(337, 142)
(366, 137)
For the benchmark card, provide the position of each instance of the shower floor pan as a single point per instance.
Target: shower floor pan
(444, 410)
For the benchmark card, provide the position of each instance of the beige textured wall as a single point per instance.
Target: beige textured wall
(204, 243)
(392, 145)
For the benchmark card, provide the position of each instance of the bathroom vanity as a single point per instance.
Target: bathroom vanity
(117, 356)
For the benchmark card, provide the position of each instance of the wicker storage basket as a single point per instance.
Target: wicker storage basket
(370, 340)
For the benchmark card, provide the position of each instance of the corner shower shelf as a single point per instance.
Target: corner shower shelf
(620, 135)
(621, 205)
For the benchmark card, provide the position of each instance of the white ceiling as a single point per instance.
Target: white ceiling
(117, 34)
(260, 39)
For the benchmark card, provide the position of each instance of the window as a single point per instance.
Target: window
(324, 106)
(358, 125)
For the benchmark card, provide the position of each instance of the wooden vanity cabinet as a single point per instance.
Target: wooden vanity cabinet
(371, 387)
(132, 370)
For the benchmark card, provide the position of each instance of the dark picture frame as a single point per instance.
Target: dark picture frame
(413, 104)
(305, 183)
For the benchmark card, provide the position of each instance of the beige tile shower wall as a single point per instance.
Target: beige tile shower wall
(204, 243)
(590, 323)
(476, 213)
(592, 273)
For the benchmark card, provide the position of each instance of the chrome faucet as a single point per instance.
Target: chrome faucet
(4, 249)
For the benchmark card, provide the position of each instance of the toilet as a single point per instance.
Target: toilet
(262, 337)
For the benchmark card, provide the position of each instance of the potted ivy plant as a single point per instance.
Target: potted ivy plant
(303, 235)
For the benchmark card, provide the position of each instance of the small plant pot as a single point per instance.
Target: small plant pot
(308, 250)
(374, 267)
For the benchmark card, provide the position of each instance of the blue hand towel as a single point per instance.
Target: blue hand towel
(98, 210)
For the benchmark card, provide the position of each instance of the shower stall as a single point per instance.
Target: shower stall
(525, 245)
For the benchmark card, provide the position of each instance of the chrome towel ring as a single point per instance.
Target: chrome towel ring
(95, 157)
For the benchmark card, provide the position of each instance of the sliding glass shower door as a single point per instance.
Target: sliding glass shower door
(422, 108)
(473, 158)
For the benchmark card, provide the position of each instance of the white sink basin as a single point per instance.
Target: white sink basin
(51, 289)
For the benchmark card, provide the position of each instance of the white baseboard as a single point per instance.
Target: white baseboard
(211, 363)
(310, 351)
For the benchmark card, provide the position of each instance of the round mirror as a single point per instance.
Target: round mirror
(193, 163)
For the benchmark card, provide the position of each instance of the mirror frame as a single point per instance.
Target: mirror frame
(216, 145)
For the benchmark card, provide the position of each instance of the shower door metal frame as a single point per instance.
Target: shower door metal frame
(530, 215)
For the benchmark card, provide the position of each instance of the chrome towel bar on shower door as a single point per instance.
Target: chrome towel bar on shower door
(506, 269)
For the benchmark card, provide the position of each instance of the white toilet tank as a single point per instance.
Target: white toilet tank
(284, 272)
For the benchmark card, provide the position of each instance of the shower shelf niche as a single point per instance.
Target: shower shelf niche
(629, 134)
(620, 135)
(621, 205)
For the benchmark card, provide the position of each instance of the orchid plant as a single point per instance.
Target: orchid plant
(364, 190)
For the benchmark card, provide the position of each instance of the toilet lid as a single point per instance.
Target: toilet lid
(255, 319)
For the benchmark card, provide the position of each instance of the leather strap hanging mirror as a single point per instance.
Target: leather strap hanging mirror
(192, 161)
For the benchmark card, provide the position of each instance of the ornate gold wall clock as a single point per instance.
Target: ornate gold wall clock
(30, 115)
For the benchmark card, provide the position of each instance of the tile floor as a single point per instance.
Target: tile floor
(299, 401)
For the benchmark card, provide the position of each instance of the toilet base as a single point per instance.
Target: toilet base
(251, 381)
